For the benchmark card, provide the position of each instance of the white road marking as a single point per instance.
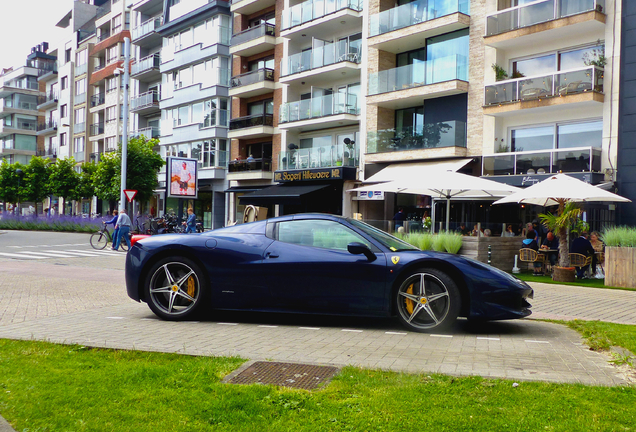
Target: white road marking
(309, 328)
(98, 251)
(116, 318)
(487, 338)
(48, 255)
(227, 323)
(442, 336)
(78, 254)
(268, 326)
(536, 341)
(395, 333)
(352, 331)
(20, 256)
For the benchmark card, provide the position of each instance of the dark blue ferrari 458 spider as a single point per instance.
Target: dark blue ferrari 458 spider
(319, 264)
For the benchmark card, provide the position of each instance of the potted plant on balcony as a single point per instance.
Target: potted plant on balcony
(559, 223)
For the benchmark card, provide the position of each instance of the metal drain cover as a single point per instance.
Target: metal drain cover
(293, 375)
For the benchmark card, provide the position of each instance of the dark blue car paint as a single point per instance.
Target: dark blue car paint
(244, 274)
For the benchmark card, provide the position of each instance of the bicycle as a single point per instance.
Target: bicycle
(101, 238)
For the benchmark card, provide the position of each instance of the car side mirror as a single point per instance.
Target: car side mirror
(357, 248)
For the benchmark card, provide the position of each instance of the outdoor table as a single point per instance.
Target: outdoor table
(546, 252)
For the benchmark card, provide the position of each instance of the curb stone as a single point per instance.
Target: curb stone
(4, 425)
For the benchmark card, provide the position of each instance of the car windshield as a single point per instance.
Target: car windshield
(392, 243)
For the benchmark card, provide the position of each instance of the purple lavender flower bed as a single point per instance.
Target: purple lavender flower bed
(53, 223)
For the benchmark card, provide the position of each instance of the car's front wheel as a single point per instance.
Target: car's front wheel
(428, 299)
(175, 288)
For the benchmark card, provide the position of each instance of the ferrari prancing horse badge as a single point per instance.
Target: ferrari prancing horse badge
(395, 259)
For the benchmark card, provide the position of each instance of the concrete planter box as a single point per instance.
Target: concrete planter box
(620, 267)
(503, 250)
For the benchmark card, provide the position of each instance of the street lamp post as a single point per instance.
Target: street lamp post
(124, 138)
(19, 174)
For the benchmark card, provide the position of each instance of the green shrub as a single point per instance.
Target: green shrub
(622, 236)
(452, 243)
(443, 242)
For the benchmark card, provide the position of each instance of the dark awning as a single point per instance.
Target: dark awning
(245, 189)
(280, 194)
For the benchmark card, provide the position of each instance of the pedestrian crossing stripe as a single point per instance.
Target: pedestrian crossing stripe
(48, 255)
(18, 256)
(82, 253)
(71, 253)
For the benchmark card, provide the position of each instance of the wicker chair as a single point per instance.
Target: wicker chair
(532, 256)
(580, 260)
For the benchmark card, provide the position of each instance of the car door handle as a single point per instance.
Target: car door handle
(271, 255)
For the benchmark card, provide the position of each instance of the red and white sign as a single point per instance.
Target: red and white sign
(130, 194)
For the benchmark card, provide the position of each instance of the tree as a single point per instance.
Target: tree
(63, 179)
(567, 214)
(143, 165)
(9, 191)
(36, 181)
(106, 179)
(85, 187)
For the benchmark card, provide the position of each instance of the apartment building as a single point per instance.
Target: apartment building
(19, 116)
(194, 100)
(297, 106)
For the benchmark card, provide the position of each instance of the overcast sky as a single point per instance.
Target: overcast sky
(27, 23)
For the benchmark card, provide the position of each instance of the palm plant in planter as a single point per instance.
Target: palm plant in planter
(567, 214)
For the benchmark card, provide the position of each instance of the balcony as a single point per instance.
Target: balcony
(324, 112)
(441, 139)
(145, 103)
(579, 87)
(248, 7)
(253, 83)
(147, 69)
(49, 153)
(103, 36)
(145, 34)
(543, 21)
(47, 127)
(552, 161)
(9, 107)
(47, 71)
(96, 129)
(340, 155)
(406, 86)
(254, 126)
(81, 69)
(9, 126)
(11, 147)
(22, 86)
(321, 66)
(98, 99)
(79, 128)
(79, 99)
(420, 20)
(254, 40)
(149, 132)
(99, 66)
(257, 169)
(316, 18)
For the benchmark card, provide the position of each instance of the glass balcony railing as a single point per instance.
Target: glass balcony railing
(98, 99)
(146, 28)
(252, 77)
(81, 69)
(22, 124)
(433, 135)
(51, 96)
(538, 12)
(79, 98)
(557, 84)
(149, 132)
(150, 62)
(243, 165)
(319, 57)
(578, 159)
(79, 127)
(313, 9)
(253, 33)
(22, 84)
(319, 157)
(414, 13)
(49, 124)
(453, 67)
(216, 159)
(103, 36)
(252, 121)
(96, 129)
(318, 107)
(145, 100)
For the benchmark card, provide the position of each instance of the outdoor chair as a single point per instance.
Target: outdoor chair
(532, 256)
(580, 260)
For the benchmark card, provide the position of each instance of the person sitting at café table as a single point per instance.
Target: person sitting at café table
(530, 243)
(551, 242)
(476, 231)
(508, 232)
(596, 242)
(463, 230)
(582, 245)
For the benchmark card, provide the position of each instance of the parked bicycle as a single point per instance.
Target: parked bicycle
(101, 238)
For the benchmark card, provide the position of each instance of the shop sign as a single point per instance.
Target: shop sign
(370, 195)
(309, 175)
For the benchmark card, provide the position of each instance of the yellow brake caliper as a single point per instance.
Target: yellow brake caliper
(191, 286)
(409, 303)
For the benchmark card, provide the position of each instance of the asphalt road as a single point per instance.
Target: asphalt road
(55, 287)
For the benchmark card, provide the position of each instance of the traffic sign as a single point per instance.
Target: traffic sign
(130, 194)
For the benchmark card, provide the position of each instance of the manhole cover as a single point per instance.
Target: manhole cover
(294, 375)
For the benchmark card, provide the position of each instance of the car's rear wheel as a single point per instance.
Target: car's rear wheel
(428, 299)
(175, 288)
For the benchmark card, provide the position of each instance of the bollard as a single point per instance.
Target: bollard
(489, 255)
(515, 269)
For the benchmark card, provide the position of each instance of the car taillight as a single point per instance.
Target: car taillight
(136, 238)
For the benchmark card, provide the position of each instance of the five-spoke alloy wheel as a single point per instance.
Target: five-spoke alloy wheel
(175, 288)
(427, 299)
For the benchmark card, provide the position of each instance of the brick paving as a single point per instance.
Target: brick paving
(83, 301)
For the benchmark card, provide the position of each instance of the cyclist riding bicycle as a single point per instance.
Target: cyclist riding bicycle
(114, 222)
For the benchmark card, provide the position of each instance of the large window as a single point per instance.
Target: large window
(577, 58)
(265, 62)
(79, 144)
(80, 86)
(261, 107)
(557, 135)
(210, 153)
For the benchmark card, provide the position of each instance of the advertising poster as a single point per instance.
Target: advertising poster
(182, 178)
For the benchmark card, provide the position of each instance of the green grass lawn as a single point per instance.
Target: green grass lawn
(47, 387)
(591, 283)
